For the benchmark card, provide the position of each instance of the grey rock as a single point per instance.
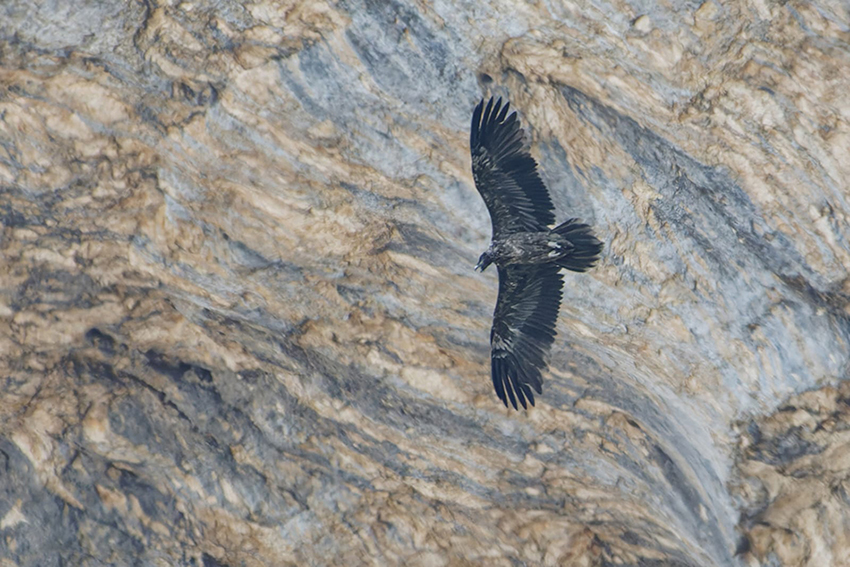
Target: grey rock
(239, 323)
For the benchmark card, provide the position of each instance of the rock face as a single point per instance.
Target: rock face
(239, 323)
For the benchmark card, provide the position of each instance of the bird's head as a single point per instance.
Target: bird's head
(483, 261)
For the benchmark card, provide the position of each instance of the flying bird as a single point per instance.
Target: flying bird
(528, 254)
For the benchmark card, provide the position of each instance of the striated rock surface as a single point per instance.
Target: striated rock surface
(239, 323)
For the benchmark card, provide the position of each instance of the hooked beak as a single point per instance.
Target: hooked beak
(483, 261)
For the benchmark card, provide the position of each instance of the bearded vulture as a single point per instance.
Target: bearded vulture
(528, 254)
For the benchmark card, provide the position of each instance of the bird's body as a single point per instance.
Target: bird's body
(528, 248)
(528, 254)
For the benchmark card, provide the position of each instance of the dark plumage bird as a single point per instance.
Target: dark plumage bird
(528, 254)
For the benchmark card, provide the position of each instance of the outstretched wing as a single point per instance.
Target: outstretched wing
(505, 173)
(523, 329)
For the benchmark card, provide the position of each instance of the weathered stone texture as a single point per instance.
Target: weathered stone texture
(239, 323)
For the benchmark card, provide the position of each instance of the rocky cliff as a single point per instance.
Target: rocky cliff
(239, 324)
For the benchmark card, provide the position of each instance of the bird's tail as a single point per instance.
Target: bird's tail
(586, 247)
